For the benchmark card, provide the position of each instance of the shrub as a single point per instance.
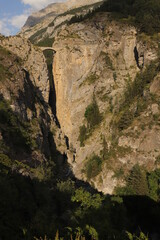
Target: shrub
(104, 152)
(86, 199)
(93, 117)
(5, 163)
(141, 236)
(136, 183)
(15, 131)
(91, 78)
(153, 184)
(134, 103)
(92, 114)
(66, 186)
(82, 135)
(46, 42)
(93, 166)
(37, 35)
(115, 76)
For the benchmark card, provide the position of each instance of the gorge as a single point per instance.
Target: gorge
(80, 124)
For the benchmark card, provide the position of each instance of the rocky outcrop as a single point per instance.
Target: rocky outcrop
(97, 57)
(33, 61)
(54, 10)
(27, 133)
(95, 61)
(47, 22)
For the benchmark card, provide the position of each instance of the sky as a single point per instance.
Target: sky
(14, 13)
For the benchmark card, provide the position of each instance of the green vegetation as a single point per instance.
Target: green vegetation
(93, 118)
(82, 134)
(92, 115)
(80, 18)
(45, 42)
(37, 35)
(115, 76)
(136, 183)
(79, 10)
(134, 102)
(53, 207)
(139, 182)
(141, 236)
(15, 131)
(37, 201)
(105, 150)
(86, 199)
(143, 14)
(107, 60)
(119, 173)
(4, 73)
(93, 166)
(153, 184)
(92, 78)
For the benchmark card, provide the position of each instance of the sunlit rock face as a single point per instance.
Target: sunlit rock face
(104, 49)
(95, 59)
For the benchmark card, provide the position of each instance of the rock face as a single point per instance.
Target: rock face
(34, 62)
(100, 61)
(97, 58)
(27, 133)
(46, 21)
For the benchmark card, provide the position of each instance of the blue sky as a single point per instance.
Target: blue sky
(13, 13)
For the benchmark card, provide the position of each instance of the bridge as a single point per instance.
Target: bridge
(47, 48)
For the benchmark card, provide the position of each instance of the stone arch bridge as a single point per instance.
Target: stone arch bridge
(47, 48)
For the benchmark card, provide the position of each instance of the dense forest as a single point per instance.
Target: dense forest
(37, 208)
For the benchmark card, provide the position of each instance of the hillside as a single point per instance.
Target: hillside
(80, 123)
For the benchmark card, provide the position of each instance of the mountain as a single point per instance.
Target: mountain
(80, 123)
(97, 61)
(45, 21)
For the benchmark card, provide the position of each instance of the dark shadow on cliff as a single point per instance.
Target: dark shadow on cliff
(49, 55)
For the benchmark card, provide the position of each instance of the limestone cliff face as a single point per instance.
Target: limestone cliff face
(98, 57)
(27, 134)
(33, 61)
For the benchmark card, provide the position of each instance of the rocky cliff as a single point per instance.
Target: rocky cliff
(100, 58)
(45, 24)
(106, 98)
(27, 124)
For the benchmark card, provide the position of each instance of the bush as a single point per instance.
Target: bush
(66, 186)
(37, 35)
(134, 103)
(86, 199)
(93, 166)
(15, 131)
(93, 117)
(82, 135)
(46, 42)
(143, 14)
(136, 183)
(153, 184)
(92, 114)
(91, 78)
